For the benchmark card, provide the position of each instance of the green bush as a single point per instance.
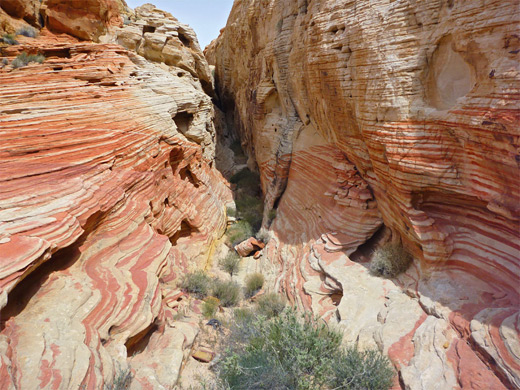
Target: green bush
(231, 212)
(10, 39)
(250, 209)
(243, 315)
(270, 305)
(347, 375)
(249, 206)
(24, 59)
(390, 260)
(227, 292)
(210, 306)
(230, 263)
(246, 179)
(297, 352)
(197, 283)
(5, 62)
(27, 31)
(254, 282)
(239, 232)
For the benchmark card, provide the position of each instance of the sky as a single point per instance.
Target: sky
(206, 17)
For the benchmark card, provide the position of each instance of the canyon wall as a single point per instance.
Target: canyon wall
(376, 121)
(108, 193)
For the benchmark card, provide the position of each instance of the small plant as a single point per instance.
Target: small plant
(247, 181)
(121, 381)
(270, 305)
(243, 315)
(272, 214)
(239, 232)
(10, 39)
(230, 263)
(231, 212)
(254, 282)
(377, 375)
(227, 292)
(27, 31)
(210, 306)
(197, 283)
(24, 59)
(263, 235)
(299, 352)
(5, 62)
(390, 260)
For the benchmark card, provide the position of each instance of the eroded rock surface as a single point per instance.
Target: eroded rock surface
(376, 121)
(105, 200)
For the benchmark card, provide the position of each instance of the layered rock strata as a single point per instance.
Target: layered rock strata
(377, 121)
(108, 193)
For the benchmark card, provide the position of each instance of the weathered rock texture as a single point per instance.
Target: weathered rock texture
(84, 19)
(377, 120)
(107, 195)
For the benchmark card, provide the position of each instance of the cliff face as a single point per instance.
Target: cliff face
(107, 195)
(376, 121)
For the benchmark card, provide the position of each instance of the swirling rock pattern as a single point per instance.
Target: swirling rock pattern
(104, 203)
(389, 119)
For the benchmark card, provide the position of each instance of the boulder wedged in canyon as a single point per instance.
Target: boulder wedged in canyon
(377, 121)
(108, 194)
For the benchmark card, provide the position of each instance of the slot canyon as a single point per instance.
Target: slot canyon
(365, 123)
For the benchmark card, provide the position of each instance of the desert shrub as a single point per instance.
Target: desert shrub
(27, 31)
(246, 179)
(227, 292)
(270, 305)
(24, 59)
(243, 315)
(121, 381)
(231, 212)
(197, 283)
(390, 260)
(378, 375)
(272, 214)
(297, 352)
(263, 235)
(239, 232)
(254, 282)
(230, 263)
(210, 306)
(10, 39)
(5, 62)
(249, 206)
(250, 209)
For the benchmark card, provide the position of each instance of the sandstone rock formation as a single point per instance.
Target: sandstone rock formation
(108, 193)
(84, 19)
(389, 120)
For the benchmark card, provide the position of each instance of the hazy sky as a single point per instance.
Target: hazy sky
(206, 17)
